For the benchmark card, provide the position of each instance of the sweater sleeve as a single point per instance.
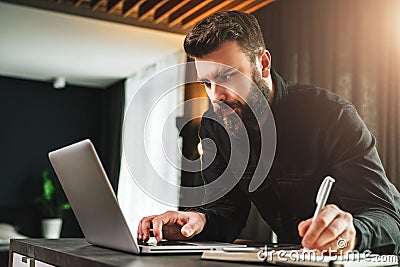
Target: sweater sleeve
(362, 187)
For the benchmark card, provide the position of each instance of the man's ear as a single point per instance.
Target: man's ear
(265, 61)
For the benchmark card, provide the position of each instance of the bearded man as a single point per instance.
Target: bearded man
(317, 133)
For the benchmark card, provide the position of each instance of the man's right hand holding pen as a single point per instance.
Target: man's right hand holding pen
(330, 229)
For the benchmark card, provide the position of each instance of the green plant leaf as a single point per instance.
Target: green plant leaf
(48, 188)
(66, 206)
(52, 200)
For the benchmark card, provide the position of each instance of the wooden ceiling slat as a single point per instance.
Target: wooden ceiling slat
(242, 4)
(233, 4)
(179, 12)
(95, 4)
(78, 3)
(258, 6)
(188, 12)
(167, 9)
(149, 7)
(130, 5)
(112, 5)
(202, 14)
(167, 15)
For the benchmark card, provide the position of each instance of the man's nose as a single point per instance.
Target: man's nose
(219, 93)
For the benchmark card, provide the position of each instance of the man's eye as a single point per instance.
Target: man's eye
(226, 77)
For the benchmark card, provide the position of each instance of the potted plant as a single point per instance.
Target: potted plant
(52, 203)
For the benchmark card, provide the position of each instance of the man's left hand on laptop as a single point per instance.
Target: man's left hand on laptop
(171, 225)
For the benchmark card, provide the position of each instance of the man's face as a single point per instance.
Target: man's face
(233, 86)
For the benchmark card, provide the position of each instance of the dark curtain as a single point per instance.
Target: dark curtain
(351, 47)
(110, 147)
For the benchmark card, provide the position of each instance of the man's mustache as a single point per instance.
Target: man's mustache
(221, 106)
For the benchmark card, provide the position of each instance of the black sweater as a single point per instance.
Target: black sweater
(318, 134)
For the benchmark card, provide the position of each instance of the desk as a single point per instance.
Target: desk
(77, 252)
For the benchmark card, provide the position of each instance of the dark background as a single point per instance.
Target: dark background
(349, 47)
(36, 119)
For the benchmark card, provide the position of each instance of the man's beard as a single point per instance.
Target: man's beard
(236, 126)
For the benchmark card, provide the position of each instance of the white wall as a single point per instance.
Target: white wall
(39, 44)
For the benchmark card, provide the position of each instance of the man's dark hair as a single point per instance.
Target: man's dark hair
(209, 34)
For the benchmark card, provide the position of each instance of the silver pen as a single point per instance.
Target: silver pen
(323, 194)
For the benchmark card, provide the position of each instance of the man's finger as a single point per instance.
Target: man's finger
(327, 215)
(333, 231)
(158, 223)
(145, 228)
(142, 231)
(139, 231)
(303, 226)
(189, 230)
(341, 243)
(194, 225)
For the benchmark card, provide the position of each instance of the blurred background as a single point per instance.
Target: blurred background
(69, 69)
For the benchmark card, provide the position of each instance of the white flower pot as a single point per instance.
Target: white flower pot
(51, 228)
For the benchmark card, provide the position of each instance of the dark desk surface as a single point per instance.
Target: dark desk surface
(77, 252)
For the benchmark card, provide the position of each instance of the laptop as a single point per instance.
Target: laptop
(96, 208)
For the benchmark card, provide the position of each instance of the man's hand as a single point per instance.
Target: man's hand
(172, 225)
(333, 229)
